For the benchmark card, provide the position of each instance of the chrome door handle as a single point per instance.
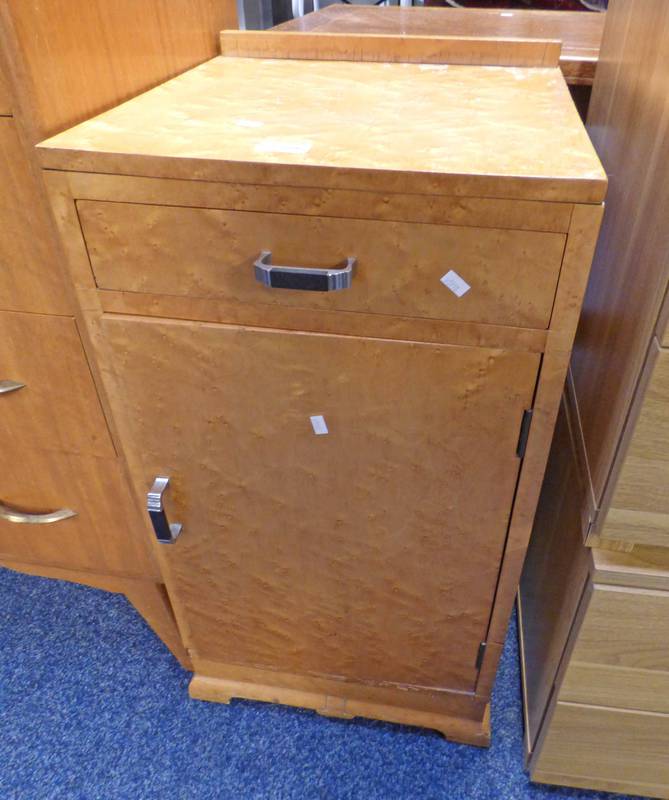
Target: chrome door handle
(10, 386)
(303, 278)
(166, 532)
(10, 514)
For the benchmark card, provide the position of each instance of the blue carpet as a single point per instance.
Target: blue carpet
(93, 706)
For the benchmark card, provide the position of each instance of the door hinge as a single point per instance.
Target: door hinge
(480, 655)
(524, 432)
(592, 522)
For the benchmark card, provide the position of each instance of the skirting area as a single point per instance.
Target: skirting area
(92, 706)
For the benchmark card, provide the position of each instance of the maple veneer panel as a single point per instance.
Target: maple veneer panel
(639, 510)
(210, 253)
(30, 277)
(103, 537)
(58, 408)
(370, 553)
(580, 34)
(236, 117)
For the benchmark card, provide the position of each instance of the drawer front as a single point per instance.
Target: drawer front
(497, 276)
(48, 399)
(639, 511)
(106, 535)
(344, 501)
(30, 277)
(605, 744)
(5, 96)
(621, 657)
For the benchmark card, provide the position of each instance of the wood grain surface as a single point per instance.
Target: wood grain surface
(5, 95)
(258, 121)
(210, 253)
(629, 113)
(103, 537)
(625, 749)
(58, 409)
(580, 34)
(370, 553)
(76, 59)
(639, 509)
(554, 576)
(31, 279)
(416, 49)
(479, 212)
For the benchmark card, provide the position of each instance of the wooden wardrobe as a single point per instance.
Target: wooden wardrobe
(594, 595)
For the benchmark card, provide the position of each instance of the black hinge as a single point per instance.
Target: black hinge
(524, 432)
(592, 522)
(480, 654)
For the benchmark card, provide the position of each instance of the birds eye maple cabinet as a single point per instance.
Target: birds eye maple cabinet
(332, 319)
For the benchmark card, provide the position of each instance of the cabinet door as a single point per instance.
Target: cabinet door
(369, 552)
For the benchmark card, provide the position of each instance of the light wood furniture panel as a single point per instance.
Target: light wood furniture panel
(608, 749)
(513, 274)
(639, 508)
(103, 536)
(56, 407)
(580, 34)
(71, 60)
(5, 96)
(521, 152)
(354, 471)
(30, 277)
(594, 633)
(59, 63)
(629, 113)
(307, 588)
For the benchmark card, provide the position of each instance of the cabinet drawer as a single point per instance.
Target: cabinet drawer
(210, 253)
(621, 657)
(106, 535)
(588, 743)
(48, 399)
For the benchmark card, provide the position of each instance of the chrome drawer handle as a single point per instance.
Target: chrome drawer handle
(166, 532)
(10, 386)
(304, 279)
(20, 517)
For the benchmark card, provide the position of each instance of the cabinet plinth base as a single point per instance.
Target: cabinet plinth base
(343, 706)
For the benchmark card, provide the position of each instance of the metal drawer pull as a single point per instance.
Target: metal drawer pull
(303, 278)
(20, 517)
(10, 386)
(166, 532)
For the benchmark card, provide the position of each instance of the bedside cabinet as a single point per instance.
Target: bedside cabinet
(333, 318)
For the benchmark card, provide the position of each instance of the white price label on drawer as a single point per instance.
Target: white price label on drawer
(455, 283)
(319, 425)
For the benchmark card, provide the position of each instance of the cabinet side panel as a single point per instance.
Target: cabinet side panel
(74, 59)
(629, 115)
(554, 575)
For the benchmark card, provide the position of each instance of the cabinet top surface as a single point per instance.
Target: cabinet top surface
(490, 127)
